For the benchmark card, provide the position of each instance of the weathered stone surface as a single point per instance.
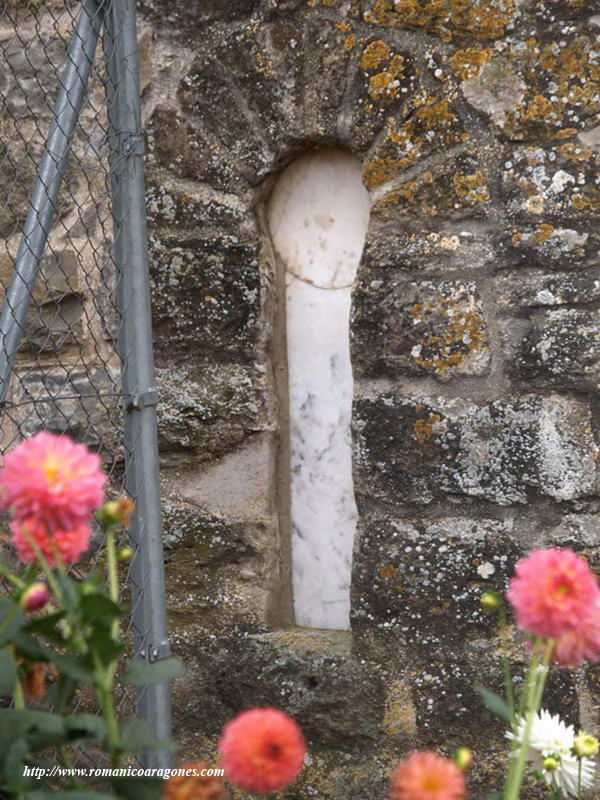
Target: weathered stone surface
(205, 294)
(189, 152)
(482, 19)
(559, 246)
(562, 350)
(542, 86)
(335, 699)
(83, 404)
(383, 81)
(30, 68)
(411, 451)
(452, 191)
(544, 183)
(419, 329)
(432, 127)
(208, 411)
(537, 288)
(187, 22)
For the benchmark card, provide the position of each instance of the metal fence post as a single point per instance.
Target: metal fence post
(133, 297)
(44, 195)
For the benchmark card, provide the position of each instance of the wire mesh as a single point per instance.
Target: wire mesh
(67, 376)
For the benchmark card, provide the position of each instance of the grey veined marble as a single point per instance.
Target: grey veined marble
(318, 216)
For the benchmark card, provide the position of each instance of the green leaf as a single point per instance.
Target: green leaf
(494, 703)
(30, 647)
(8, 671)
(138, 788)
(141, 673)
(47, 626)
(73, 794)
(85, 726)
(42, 729)
(97, 608)
(73, 667)
(136, 736)
(11, 619)
(104, 646)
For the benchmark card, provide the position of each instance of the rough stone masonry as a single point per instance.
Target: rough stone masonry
(475, 346)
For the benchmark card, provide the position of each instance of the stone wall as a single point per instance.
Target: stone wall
(474, 343)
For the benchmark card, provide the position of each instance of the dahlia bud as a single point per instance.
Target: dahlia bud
(490, 602)
(125, 553)
(116, 512)
(35, 597)
(551, 764)
(463, 758)
(585, 745)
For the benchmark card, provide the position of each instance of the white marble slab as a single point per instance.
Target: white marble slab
(318, 217)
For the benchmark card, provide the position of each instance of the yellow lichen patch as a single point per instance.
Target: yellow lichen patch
(563, 87)
(344, 26)
(483, 19)
(385, 85)
(424, 428)
(350, 41)
(374, 54)
(588, 200)
(575, 152)
(543, 233)
(326, 3)
(432, 126)
(450, 192)
(387, 571)
(460, 332)
(471, 188)
(467, 63)
(379, 171)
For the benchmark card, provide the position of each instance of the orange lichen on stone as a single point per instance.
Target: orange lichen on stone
(467, 63)
(432, 125)
(471, 188)
(562, 82)
(586, 200)
(374, 54)
(387, 571)
(424, 427)
(575, 152)
(350, 41)
(543, 233)
(483, 19)
(385, 85)
(344, 26)
(464, 333)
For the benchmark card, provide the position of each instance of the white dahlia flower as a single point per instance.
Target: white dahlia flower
(550, 737)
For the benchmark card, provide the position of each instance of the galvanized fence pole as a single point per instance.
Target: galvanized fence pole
(44, 195)
(133, 297)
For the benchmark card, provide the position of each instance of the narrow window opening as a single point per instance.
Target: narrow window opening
(318, 214)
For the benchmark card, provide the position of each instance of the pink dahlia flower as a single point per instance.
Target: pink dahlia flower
(582, 643)
(262, 750)
(427, 776)
(552, 591)
(51, 486)
(69, 543)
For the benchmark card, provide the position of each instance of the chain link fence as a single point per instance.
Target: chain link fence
(75, 335)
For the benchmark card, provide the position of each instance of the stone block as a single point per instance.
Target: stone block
(205, 297)
(402, 328)
(209, 410)
(562, 350)
(416, 451)
(520, 289)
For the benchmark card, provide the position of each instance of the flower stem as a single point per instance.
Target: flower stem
(531, 698)
(579, 780)
(508, 684)
(46, 569)
(18, 696)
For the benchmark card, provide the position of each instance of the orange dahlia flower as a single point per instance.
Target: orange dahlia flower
(427, 776)
(262, 750)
